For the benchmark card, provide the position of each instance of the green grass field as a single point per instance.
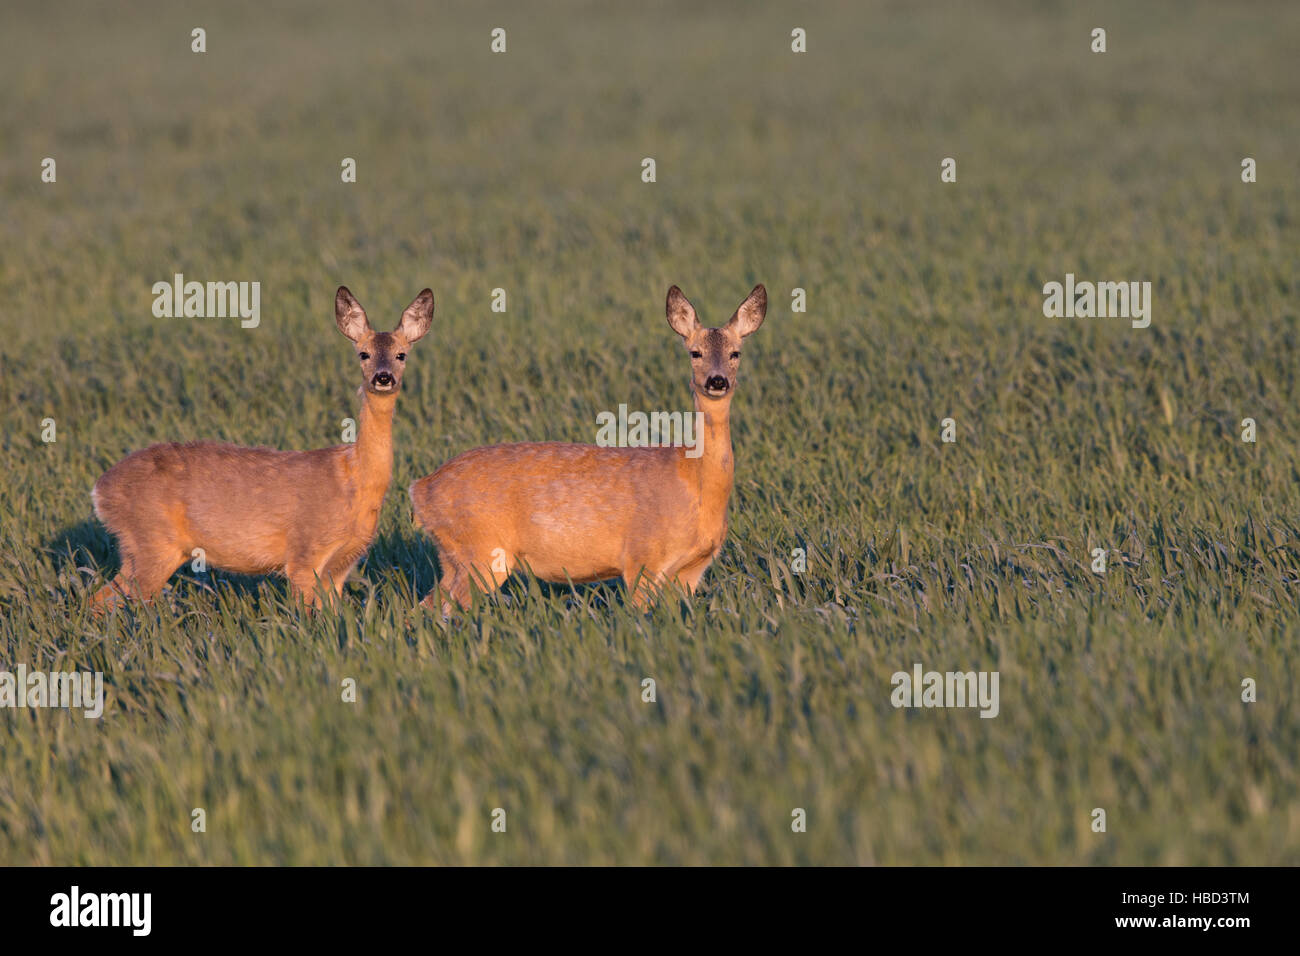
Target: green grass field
(817, 171)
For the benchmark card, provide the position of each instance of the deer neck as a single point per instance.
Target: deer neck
(372, 455)
(715, 466)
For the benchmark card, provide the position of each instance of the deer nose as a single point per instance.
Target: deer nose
(716, 383)
(382, 379)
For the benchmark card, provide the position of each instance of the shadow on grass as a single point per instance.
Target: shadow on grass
(79, 545)
(404, 563)
(416, 559)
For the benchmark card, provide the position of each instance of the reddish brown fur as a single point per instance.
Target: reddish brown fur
(309, 514)
(580, 513)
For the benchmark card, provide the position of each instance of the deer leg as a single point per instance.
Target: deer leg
(689, 576)
(452, 586)
(336, 572)
(461, 574)
(146, 566)
(488, 573)
(338, 579)
(318, 577)
(304, 583)
(643, 586)
(113, 594)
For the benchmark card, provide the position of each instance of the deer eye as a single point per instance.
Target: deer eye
(401, 356)
(735, 355)
(695, 354)
(364, 356)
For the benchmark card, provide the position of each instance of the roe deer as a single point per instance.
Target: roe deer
(310, 514)
(584, 513)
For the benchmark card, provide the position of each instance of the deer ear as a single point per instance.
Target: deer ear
(681, 314)
(349, 316)
(751, 312)
(417, 318)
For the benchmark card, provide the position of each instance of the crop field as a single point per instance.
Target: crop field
(1105, 531)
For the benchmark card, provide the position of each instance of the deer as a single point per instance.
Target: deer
(576, 513)
(310, 515)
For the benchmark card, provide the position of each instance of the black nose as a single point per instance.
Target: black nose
(716, 383)
(383, 378)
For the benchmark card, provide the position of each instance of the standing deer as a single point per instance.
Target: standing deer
(583, 513)
(309, 514)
